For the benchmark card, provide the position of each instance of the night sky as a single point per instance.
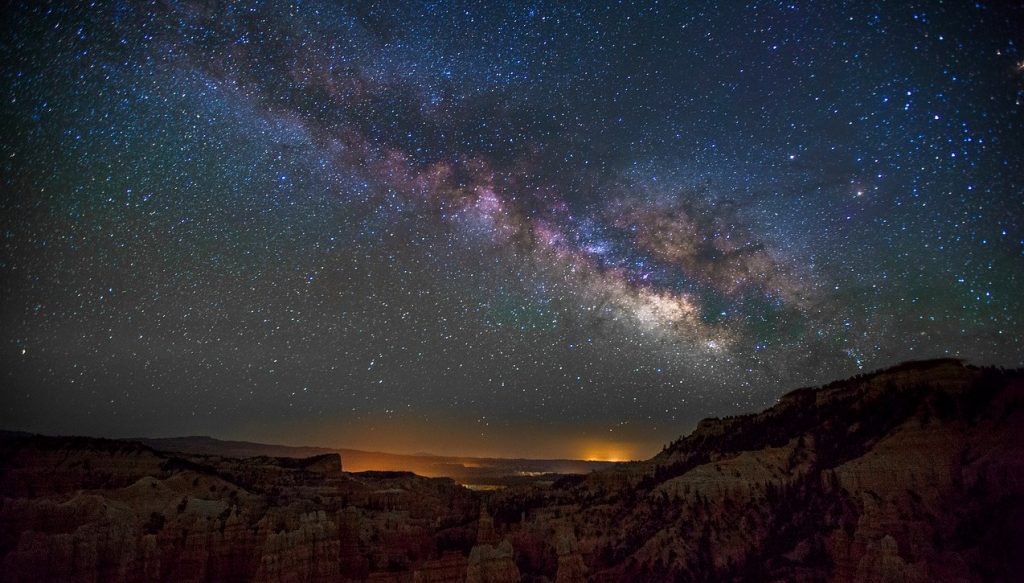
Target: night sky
(534, 229)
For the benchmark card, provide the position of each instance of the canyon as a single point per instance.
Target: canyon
(913, 473)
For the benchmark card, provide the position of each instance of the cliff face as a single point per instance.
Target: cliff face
(911, 474)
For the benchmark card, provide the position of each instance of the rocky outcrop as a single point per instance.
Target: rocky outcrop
(571, 568)
(915, 473)
(492, 564)
(485, 534)
(490, 561)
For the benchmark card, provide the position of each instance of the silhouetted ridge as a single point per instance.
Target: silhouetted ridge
(887, 475)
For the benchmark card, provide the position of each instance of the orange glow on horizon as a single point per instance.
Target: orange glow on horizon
(607, 452)
(397, 442)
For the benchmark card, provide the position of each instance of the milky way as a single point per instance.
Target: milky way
(524, 229)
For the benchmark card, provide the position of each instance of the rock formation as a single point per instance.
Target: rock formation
(76, 509)
(915, 473)
(489, 560)
(571, 568)
(485, 534)
(492, 564)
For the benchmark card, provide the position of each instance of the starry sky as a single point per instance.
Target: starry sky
(523, 229)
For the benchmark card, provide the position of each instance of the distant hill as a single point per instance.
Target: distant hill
(205, 445)
(469, 470)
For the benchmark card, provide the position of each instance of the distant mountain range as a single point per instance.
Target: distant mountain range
(912, 474)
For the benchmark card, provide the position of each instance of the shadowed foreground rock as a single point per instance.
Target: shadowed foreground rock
(915, 473)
